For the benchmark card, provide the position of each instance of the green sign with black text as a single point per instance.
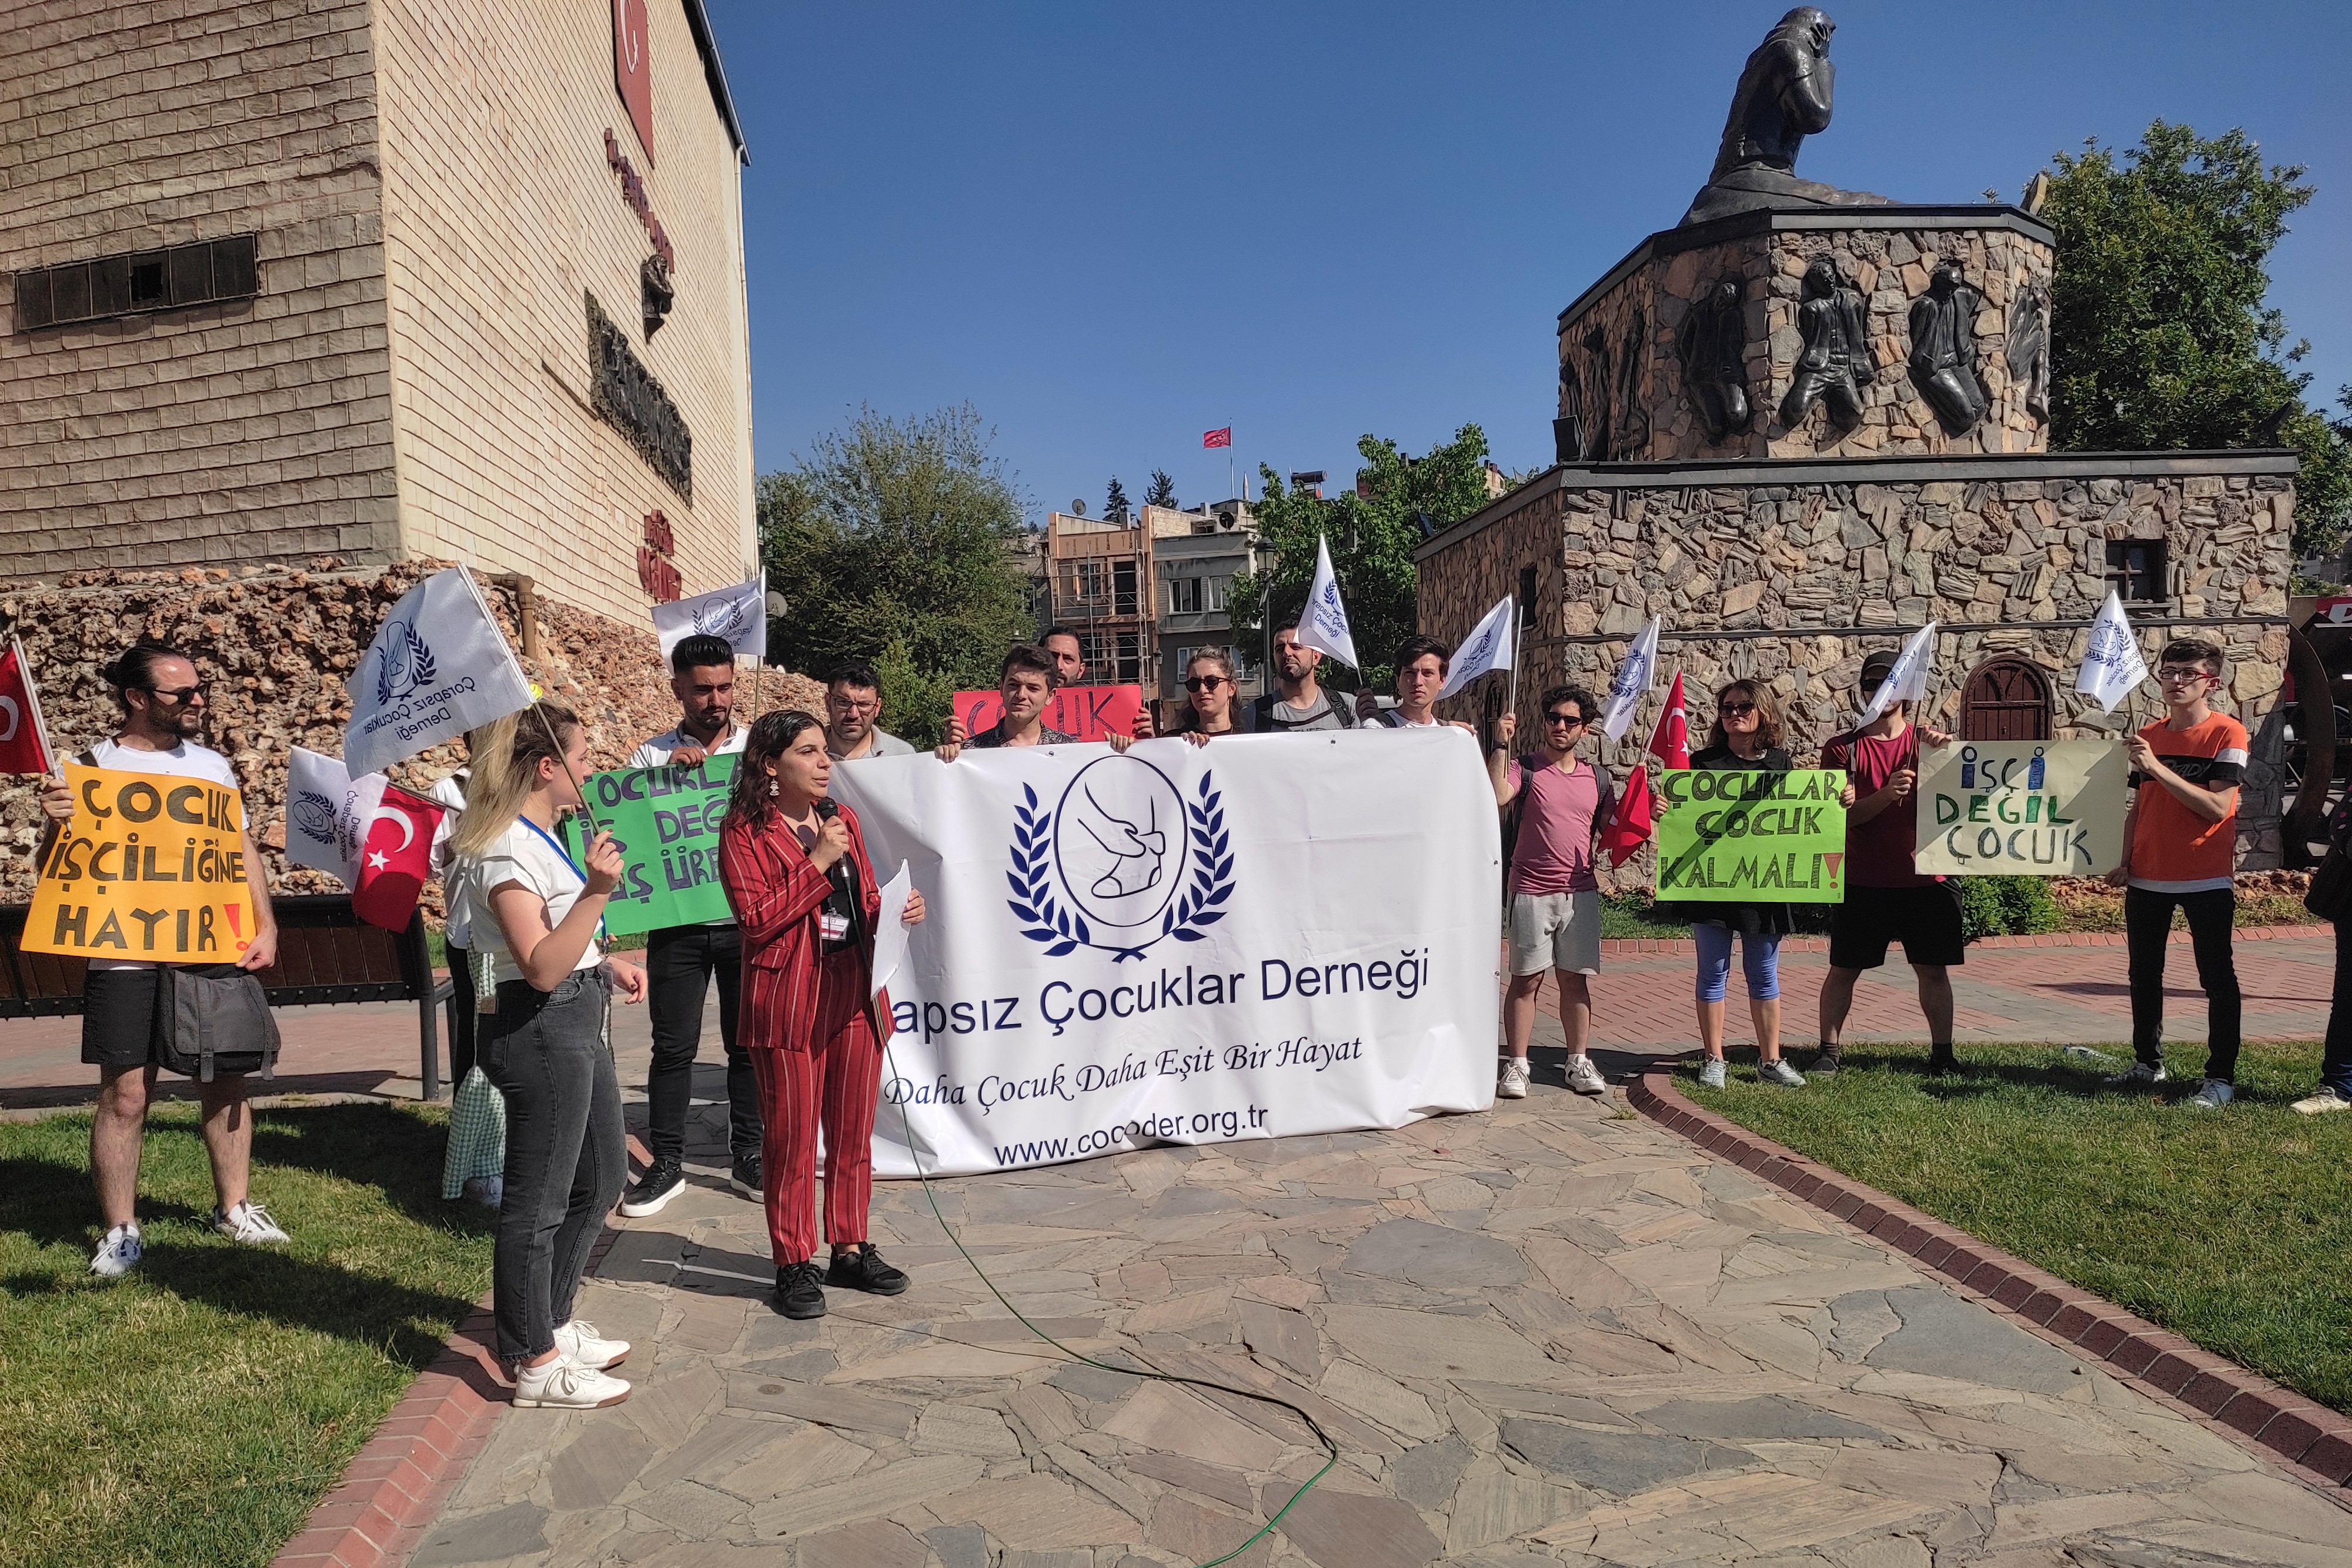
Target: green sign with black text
(1729, 836)
(665, 821)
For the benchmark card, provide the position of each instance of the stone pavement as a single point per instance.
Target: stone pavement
(1552, 1334)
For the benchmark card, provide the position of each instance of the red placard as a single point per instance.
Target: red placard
(633, 71)
(1091, 712)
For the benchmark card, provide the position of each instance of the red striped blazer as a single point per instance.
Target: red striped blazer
(776, 894)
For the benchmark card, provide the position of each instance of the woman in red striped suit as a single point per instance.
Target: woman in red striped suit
(795, 870)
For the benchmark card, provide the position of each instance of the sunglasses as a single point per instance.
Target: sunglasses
(201, 690)
(1204, 683)
(1573, 721)
(1736, 710)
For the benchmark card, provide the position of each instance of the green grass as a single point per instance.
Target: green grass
(193, 1412)
(2232, 1229)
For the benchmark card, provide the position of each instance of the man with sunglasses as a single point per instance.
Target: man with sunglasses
(1298, 701)
(1555, 883)
(163, 705)
(2181, 836)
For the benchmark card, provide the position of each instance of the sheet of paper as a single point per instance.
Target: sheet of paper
(889, 933)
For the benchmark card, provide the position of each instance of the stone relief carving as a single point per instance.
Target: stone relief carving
(2029, 348)
(1633, 435)
(1785, 94)
(1712, 344)
(1568, 430)
(1834, 365)
(1943, 349)
(1597, 425)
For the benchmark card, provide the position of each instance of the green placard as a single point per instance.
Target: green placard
(1740, 837)
(665, 821)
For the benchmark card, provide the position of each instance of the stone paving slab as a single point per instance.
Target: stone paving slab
(1552, 1334)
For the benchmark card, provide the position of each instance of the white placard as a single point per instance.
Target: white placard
(890, 928)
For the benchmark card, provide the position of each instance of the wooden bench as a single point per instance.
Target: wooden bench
(326, 954)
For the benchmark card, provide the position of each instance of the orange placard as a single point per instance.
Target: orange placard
(152, 868)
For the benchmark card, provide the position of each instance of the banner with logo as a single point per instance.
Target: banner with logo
(737, 616)
(1738, 836)
(1088, 712)
(2022, 807)
(1258, 938)
(151, 869)
(665, 822)
(438, 667)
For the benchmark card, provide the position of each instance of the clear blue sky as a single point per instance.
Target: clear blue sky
(1110, 227)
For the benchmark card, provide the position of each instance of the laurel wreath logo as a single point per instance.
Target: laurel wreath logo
(407, 664)
(1065, 930)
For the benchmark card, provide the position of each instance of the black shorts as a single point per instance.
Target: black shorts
(118, 1016)
(1925, 919)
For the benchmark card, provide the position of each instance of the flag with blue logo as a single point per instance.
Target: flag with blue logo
(1489, 646)
(1323, 625)
(737, 616)
(1907, 681)
(1634, 680)
(2112, 664)
(438, 668)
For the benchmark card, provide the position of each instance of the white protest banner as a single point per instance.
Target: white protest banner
(1907, 681)
(1633, 681)
(1489, 646)
(737, 616)
(1324, 623)
(1262, 936)
(322, 813)
(2021, 808)
(438, 668)
(2112, 664)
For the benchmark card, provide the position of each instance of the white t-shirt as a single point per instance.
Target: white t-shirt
(184, 760)
(528, 854)
(655, 752)
(451, 792)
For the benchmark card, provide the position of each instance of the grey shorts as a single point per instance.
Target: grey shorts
(1556, 931)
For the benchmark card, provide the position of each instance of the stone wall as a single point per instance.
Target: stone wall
(1887, 259)
(1791, 574)
(255, 430)
(276, 647)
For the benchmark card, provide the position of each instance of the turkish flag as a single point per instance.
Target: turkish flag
(1217, 437)
(24, 739)
(1636, 817)
(395, 857)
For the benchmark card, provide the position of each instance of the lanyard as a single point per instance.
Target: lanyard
(557, 845)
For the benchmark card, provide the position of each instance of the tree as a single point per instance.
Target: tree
(2159, 337)
(1373, 531)
(1163, 490)
(1115, 505)
(891, 540)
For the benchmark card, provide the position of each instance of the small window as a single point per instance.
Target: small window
(133, 282)
(1122, 580)
(2136, 571)
(1216, 592)
(1183, 596)
(1091, 651)
(1131, 658)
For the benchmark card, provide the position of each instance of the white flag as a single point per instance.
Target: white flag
(737, 616)
(1490, 646)
(2112, 664)
(1325, 624)
(328, 813)
(1907, 681)
(1635, 676)
(438, 668)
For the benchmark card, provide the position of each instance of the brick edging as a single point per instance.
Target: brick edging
(396, 1484)
(1683, 947)
(2313, 1441)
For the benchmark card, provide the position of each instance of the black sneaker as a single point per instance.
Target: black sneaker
(746, 1177)
(1825, 1065)
(662, 1180)
(1941, 1063)
(799, 1290)
(861, 1268)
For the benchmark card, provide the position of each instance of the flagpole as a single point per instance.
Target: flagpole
(549, 725)
(33, 700)
(1513, 707)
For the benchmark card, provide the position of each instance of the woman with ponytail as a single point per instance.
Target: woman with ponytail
(795, 869)
(536, 917)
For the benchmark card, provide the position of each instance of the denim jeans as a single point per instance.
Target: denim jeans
(566, 1153)
(2335, 1064)
(1760, 962)
(679, 963)
(2147, 927)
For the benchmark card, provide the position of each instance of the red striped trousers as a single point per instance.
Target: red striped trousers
(834, 1083)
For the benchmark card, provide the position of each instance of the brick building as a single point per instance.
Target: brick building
(374, 280)
(1144, 593)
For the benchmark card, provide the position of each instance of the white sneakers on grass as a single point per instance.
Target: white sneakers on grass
(1511, 1079)
(1778, 1071)
(2321, 1103)
(247, 1222)
(119, 1253)
(1710, 1072)
(584, 1346)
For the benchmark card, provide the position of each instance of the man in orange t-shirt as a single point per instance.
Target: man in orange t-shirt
(2179, 847)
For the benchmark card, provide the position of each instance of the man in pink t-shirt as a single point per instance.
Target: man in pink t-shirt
(1555, 891)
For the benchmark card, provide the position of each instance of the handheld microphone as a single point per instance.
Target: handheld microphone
(827, 806)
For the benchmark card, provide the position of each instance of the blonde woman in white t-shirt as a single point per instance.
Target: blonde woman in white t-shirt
(537, 919)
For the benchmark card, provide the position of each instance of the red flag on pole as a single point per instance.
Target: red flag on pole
(1635, 819)
(23, 738)
(1217, 437)
(395, 857)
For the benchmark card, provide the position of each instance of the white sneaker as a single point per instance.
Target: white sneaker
(2138, 1075)
(2321, 1103)
(583, 1346)
(1779, 1071)
(1585, 1078)
(564, 1384)
(249, 1222)
(119, 1253)
(1710, 1072)
(1511, 1079)
(2213, 1095)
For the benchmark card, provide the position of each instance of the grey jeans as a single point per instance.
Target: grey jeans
(567, 1156)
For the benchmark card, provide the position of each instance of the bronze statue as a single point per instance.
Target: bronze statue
(1943, 349)
(2029, 348)
(1835, 365)
(1633, 437)
(1784, 96)
(1712, 343)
